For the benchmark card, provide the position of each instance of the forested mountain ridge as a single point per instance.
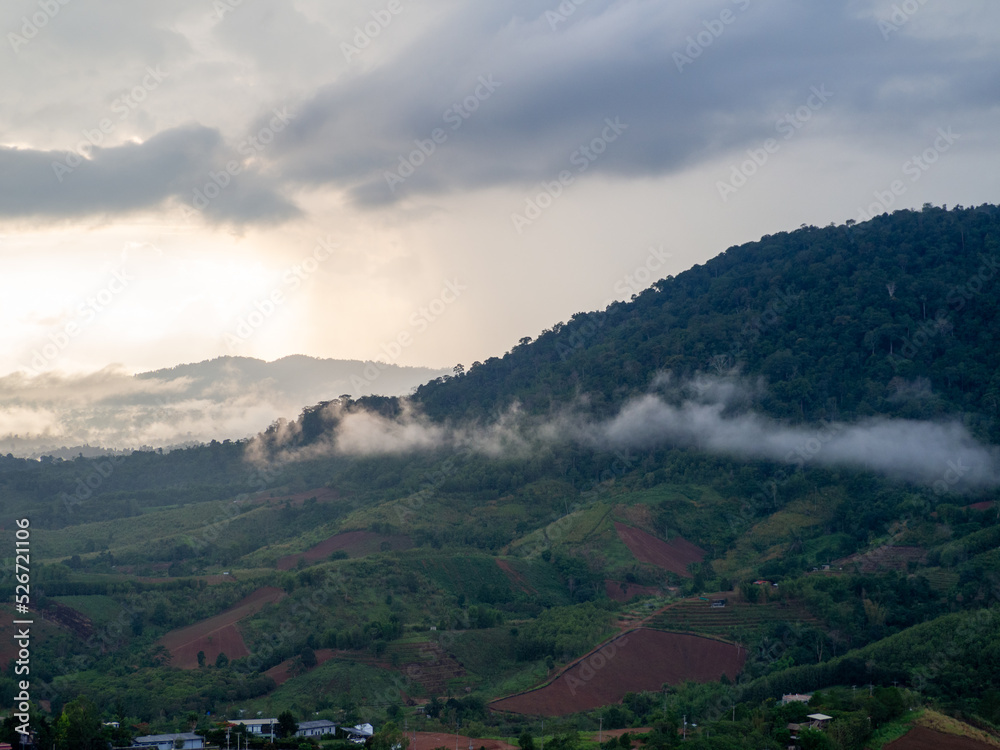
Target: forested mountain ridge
(896, 316)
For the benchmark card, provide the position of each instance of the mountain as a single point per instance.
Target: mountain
(224, 398)
(775, 473)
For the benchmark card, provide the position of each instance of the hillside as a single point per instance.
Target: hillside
(769, 429)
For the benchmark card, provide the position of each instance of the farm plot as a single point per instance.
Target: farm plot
(354, 543)
(674, 555)
(886, 557)
(217, 634)
(639, 660)
(432, 740)
(922, 738)
(697, 616)
(621, 591)
(289, 668)
(427, 664)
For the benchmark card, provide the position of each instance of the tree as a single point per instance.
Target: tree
(79, 726)
(813, 739)
(389, 738)
(221, 660)
(526, 741)
(201, 658)
(287, 726)
(308, 657)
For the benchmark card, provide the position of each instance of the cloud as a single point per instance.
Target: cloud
(135, 176)
(709, 414)
(228, 398)
(555, 93)
(560, 76)
(922, 452)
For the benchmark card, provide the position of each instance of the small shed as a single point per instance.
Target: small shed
(819, 721)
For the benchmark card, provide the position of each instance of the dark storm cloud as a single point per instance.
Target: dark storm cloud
(556, 87)
(507, 93)
(132, 176)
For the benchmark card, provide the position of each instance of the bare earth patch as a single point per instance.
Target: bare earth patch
(674, 555)
(640, 660)
(354, 543)
(217, 634)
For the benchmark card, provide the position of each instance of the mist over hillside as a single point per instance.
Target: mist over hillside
(229, 398)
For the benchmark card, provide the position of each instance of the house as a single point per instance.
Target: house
(718, 603)
(794, 698)
(257, 726)
(185, 740)
(316, 728)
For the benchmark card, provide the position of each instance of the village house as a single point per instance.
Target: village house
(257, 726)
(185, 740)
(795, 698)
(316, 728)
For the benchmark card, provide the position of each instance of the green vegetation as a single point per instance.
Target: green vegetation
(483, 573)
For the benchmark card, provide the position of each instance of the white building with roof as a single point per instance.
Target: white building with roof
(187, 740)
(316, 728)
(257, 726)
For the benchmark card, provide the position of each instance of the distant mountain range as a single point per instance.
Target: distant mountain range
(223, 398)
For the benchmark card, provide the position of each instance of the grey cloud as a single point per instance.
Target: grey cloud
(131, 177)
(617, 60)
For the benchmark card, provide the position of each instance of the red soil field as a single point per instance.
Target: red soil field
(984, 505)
(210, 580)
(639, 660)
(674, 555)
(282, 673)
(322, 495)
(515, 578)
(354, 543)
(922, 738)
(621, 591)
(431, 740)
(217, 634)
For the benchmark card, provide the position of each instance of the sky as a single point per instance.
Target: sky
(425, 183)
